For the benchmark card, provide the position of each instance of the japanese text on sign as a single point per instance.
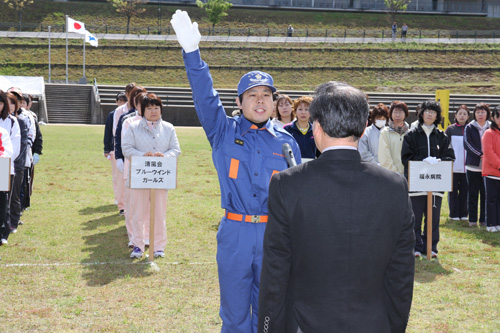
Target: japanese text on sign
(153, 172)
(425, 177)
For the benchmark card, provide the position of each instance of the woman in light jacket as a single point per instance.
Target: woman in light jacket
(368, 144)
(457, 199)
(150, 136)
(391, 138)
(473, 162)
(426, 143)
(491, 171)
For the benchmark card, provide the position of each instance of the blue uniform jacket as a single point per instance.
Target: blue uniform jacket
(109, 140)
(306, 142)
(244, 156)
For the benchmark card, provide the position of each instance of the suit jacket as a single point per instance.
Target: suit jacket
(338, 248)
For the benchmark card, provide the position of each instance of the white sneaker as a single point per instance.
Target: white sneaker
(136, 253)
(465, 218)
(130, 244)
(434, 254)
(455, 218)
(14, 231)
(146, 242)
(498, 227)
(4, 241)
(491, 229)
(418, 254)
(159, 254)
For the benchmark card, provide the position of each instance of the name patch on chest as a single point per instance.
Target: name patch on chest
(239, 142)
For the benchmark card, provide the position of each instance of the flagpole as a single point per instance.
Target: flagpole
(84, 57)
(49, 53)
(66, 49)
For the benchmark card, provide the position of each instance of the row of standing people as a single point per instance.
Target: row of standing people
(391, 142)
(136, 128)
(21, 141)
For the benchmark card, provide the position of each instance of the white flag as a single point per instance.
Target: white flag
(75, 26)
(91, 39)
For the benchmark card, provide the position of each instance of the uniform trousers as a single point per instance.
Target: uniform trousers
(419, 206)
(492, 187)
(239, 260)
(118, 187)
(4, 221)
(15, 200)
(476, 187)
(457, 199)
(140, 209)
(128, 210)
(5, 229)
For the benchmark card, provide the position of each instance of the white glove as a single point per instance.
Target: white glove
(119, 164)
(36, 158)
(432, 160)
(187, 33)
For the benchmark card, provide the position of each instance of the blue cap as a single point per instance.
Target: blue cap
(254, 79)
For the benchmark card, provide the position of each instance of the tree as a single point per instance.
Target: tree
(396, 6)
(129, 8)
(216, 9)
(19, 6)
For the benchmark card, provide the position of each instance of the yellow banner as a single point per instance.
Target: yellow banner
(443, 97)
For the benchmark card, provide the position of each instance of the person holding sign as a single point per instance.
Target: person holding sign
(246, 151)
(491, 171)
(150, 136)
(428, 143)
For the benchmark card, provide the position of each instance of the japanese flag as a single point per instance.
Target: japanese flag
(91, 39)
(75, 26)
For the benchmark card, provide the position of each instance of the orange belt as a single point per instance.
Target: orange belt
(246, 218)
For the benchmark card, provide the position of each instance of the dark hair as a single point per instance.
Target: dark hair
(379, 111)
(430, 105)
(287, 98)
(340, 109)
(150, 99)
(495, 113)
(463, 107)
(129, 87)
(4, 113)
(13, 100)
(135, 91)
(398, 105)
(121, 97)
(27, 98)
(482, 106)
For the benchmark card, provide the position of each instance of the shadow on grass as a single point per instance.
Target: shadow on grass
(109, 258)
(427, 270)
(103, 222)
(100, 209)
(480, 233)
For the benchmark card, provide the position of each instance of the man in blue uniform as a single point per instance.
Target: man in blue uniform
(246, 151)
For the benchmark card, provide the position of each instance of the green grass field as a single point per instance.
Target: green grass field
(67, 269)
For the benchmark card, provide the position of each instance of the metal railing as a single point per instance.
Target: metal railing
(267, 32)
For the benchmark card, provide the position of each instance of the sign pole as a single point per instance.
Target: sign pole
(84, 56)
(429, 225)
(49, 54)
(152, 224)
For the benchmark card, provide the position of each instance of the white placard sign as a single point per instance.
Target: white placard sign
(153, 172)
(4, 174)
(430, 178)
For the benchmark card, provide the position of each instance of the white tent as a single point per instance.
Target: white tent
(33, 85)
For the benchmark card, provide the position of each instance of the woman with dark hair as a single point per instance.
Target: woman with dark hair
(473, 162)
(285, 114)
(150, 136)
(426, 143)
(457, 199)
(301, 128)
(491, 171)
(368, 144)
(391, 138)
(6, 150)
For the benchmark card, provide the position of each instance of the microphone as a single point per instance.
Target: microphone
(287, 151)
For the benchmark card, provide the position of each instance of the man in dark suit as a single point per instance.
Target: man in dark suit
(338, 248)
